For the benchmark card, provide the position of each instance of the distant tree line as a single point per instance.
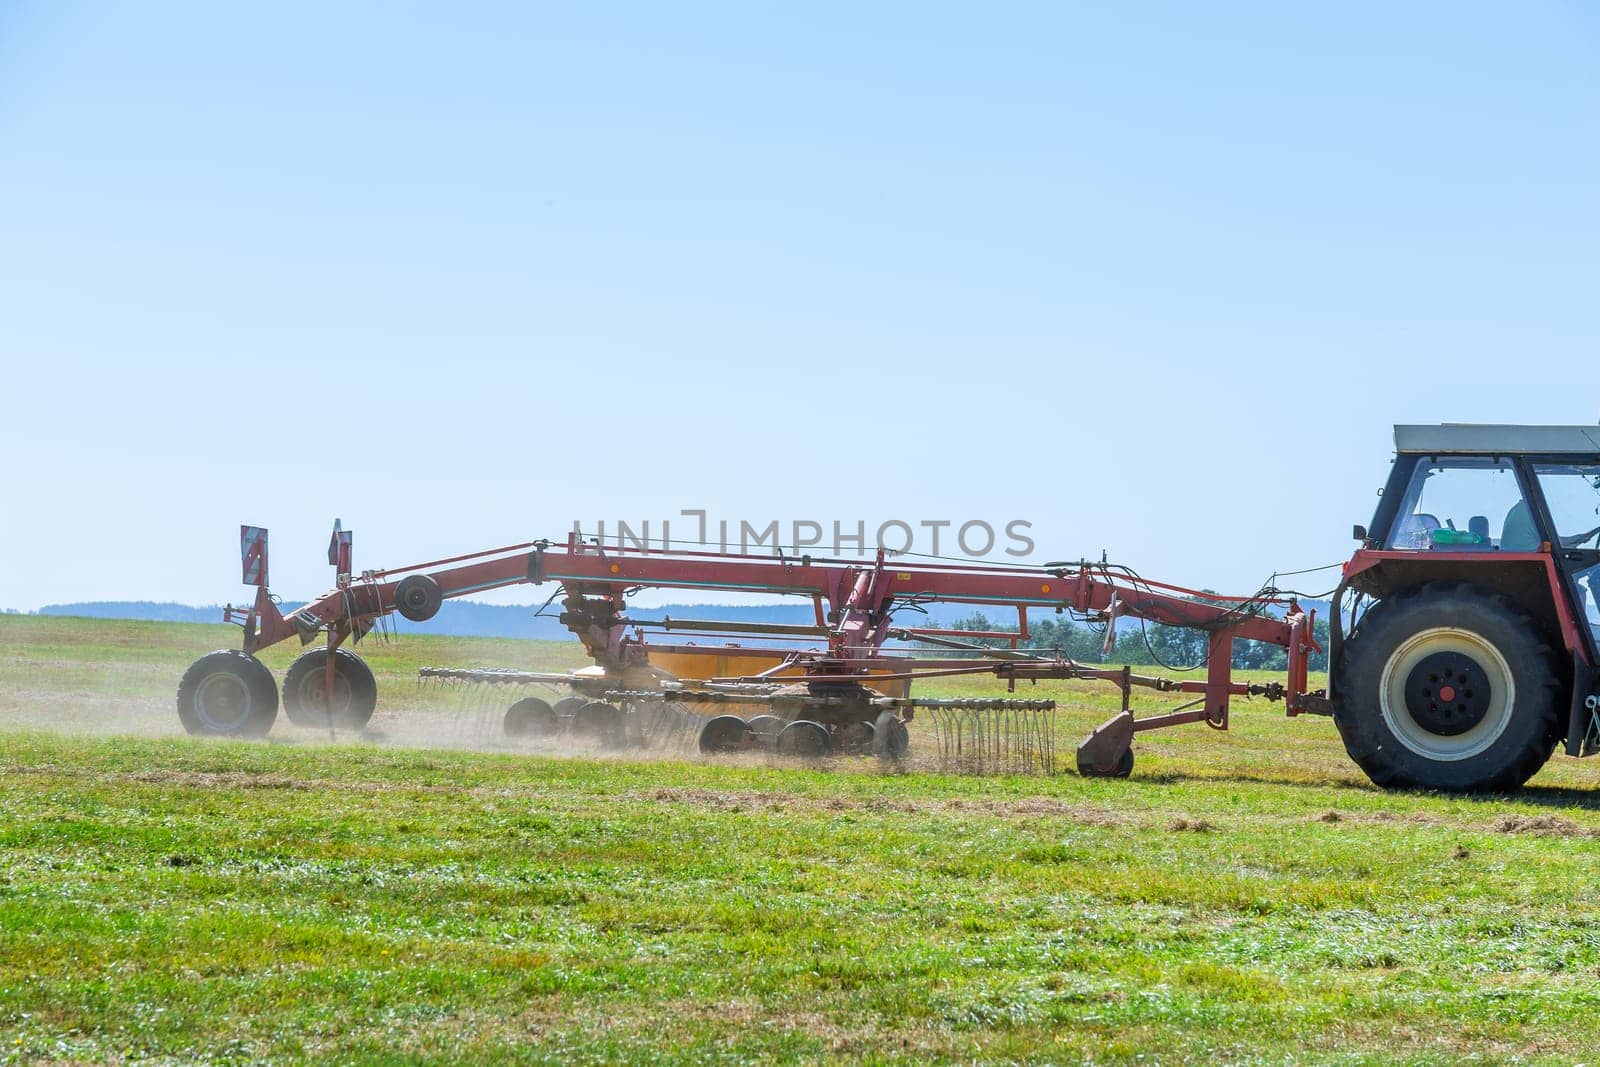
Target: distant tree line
(1153, 645)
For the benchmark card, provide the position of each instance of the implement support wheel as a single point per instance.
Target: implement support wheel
(227, 694)
(417, 597)
(765, 726)
(305, 690)
(725, 733)
(531, 717)
(1108, 752)
(855, 737)
(601, 724)
(803, 739)
(890, 738)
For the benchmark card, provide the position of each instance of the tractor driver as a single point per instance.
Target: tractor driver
(1520, 535)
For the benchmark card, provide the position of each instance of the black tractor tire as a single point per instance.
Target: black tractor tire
(531, 717)
(803, 739)
(355, 691)
(724, 733)
(1449, 686)
(227, 694)
(567, 707)
(417, 597)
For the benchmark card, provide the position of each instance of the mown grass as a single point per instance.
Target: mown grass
(1245, 897)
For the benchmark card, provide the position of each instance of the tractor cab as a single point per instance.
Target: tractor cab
(1461, 496)
(1480, 573)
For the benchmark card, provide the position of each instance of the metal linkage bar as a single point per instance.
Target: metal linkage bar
(494, 676)
(775, 697)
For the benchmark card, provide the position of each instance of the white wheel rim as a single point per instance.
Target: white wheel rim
(1412, 734)
(222, 701)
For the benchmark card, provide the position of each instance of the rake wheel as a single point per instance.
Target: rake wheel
(601, 724)
(531, 717)
(803, 739)
(724, 733)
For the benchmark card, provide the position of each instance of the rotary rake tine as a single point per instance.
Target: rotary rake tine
(664, 726)
(486, 698)
(993, 736)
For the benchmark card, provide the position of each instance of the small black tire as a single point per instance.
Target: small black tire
(601, 724)
(417, 597)
(1409, 724)
(724, 733)
(1123, 768)
(803, 739)
(857, 736)
(766, 726)
(227, 694)
(355, 690)
(531, 717)
(567, 707)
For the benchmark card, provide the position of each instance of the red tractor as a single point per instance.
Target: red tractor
(1476, 655)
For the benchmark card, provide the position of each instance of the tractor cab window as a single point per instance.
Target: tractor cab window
(1572, 496)
(1466, 504)
(1572, 493)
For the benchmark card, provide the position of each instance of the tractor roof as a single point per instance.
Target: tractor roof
(1455, 438)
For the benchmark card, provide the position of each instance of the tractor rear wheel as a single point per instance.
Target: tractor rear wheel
(305, 690)
(1448, 686)
(228, 694)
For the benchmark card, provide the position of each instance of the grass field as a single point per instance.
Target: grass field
(1245, 897)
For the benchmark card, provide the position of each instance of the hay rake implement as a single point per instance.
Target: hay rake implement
(848, 690)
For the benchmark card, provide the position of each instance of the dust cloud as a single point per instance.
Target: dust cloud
(470, 719)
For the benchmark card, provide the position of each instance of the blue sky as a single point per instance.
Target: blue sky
(1156, 278)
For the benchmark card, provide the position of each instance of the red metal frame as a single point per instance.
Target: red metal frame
(854, 602)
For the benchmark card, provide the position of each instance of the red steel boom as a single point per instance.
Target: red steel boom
(854, 603)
